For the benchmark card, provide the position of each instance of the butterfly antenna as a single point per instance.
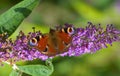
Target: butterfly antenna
(33, 29)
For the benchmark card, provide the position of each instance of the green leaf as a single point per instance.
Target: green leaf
(15, 73)
(38, 70)
(11, 19)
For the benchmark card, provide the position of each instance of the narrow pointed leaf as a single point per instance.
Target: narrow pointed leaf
(11, 19)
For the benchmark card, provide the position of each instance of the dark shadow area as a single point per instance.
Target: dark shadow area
(23, 11)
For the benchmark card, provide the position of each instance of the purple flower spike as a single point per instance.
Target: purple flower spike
(84, 40)
(92, 39)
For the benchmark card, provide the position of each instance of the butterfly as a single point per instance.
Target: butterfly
(55, 42)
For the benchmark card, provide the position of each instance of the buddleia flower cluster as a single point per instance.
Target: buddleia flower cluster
(93, 38)
(85, 40)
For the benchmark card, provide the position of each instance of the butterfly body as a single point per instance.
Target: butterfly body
(53, 43)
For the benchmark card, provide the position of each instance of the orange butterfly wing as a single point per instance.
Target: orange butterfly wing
(53, 43)
(46, 46)
(42, 43)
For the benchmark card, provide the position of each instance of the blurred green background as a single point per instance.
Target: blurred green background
(49, 13)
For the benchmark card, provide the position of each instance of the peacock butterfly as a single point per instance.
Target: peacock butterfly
(55, 42)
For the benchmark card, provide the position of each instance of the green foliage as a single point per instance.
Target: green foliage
(11, 19)
(14, 73)
(38, 70)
